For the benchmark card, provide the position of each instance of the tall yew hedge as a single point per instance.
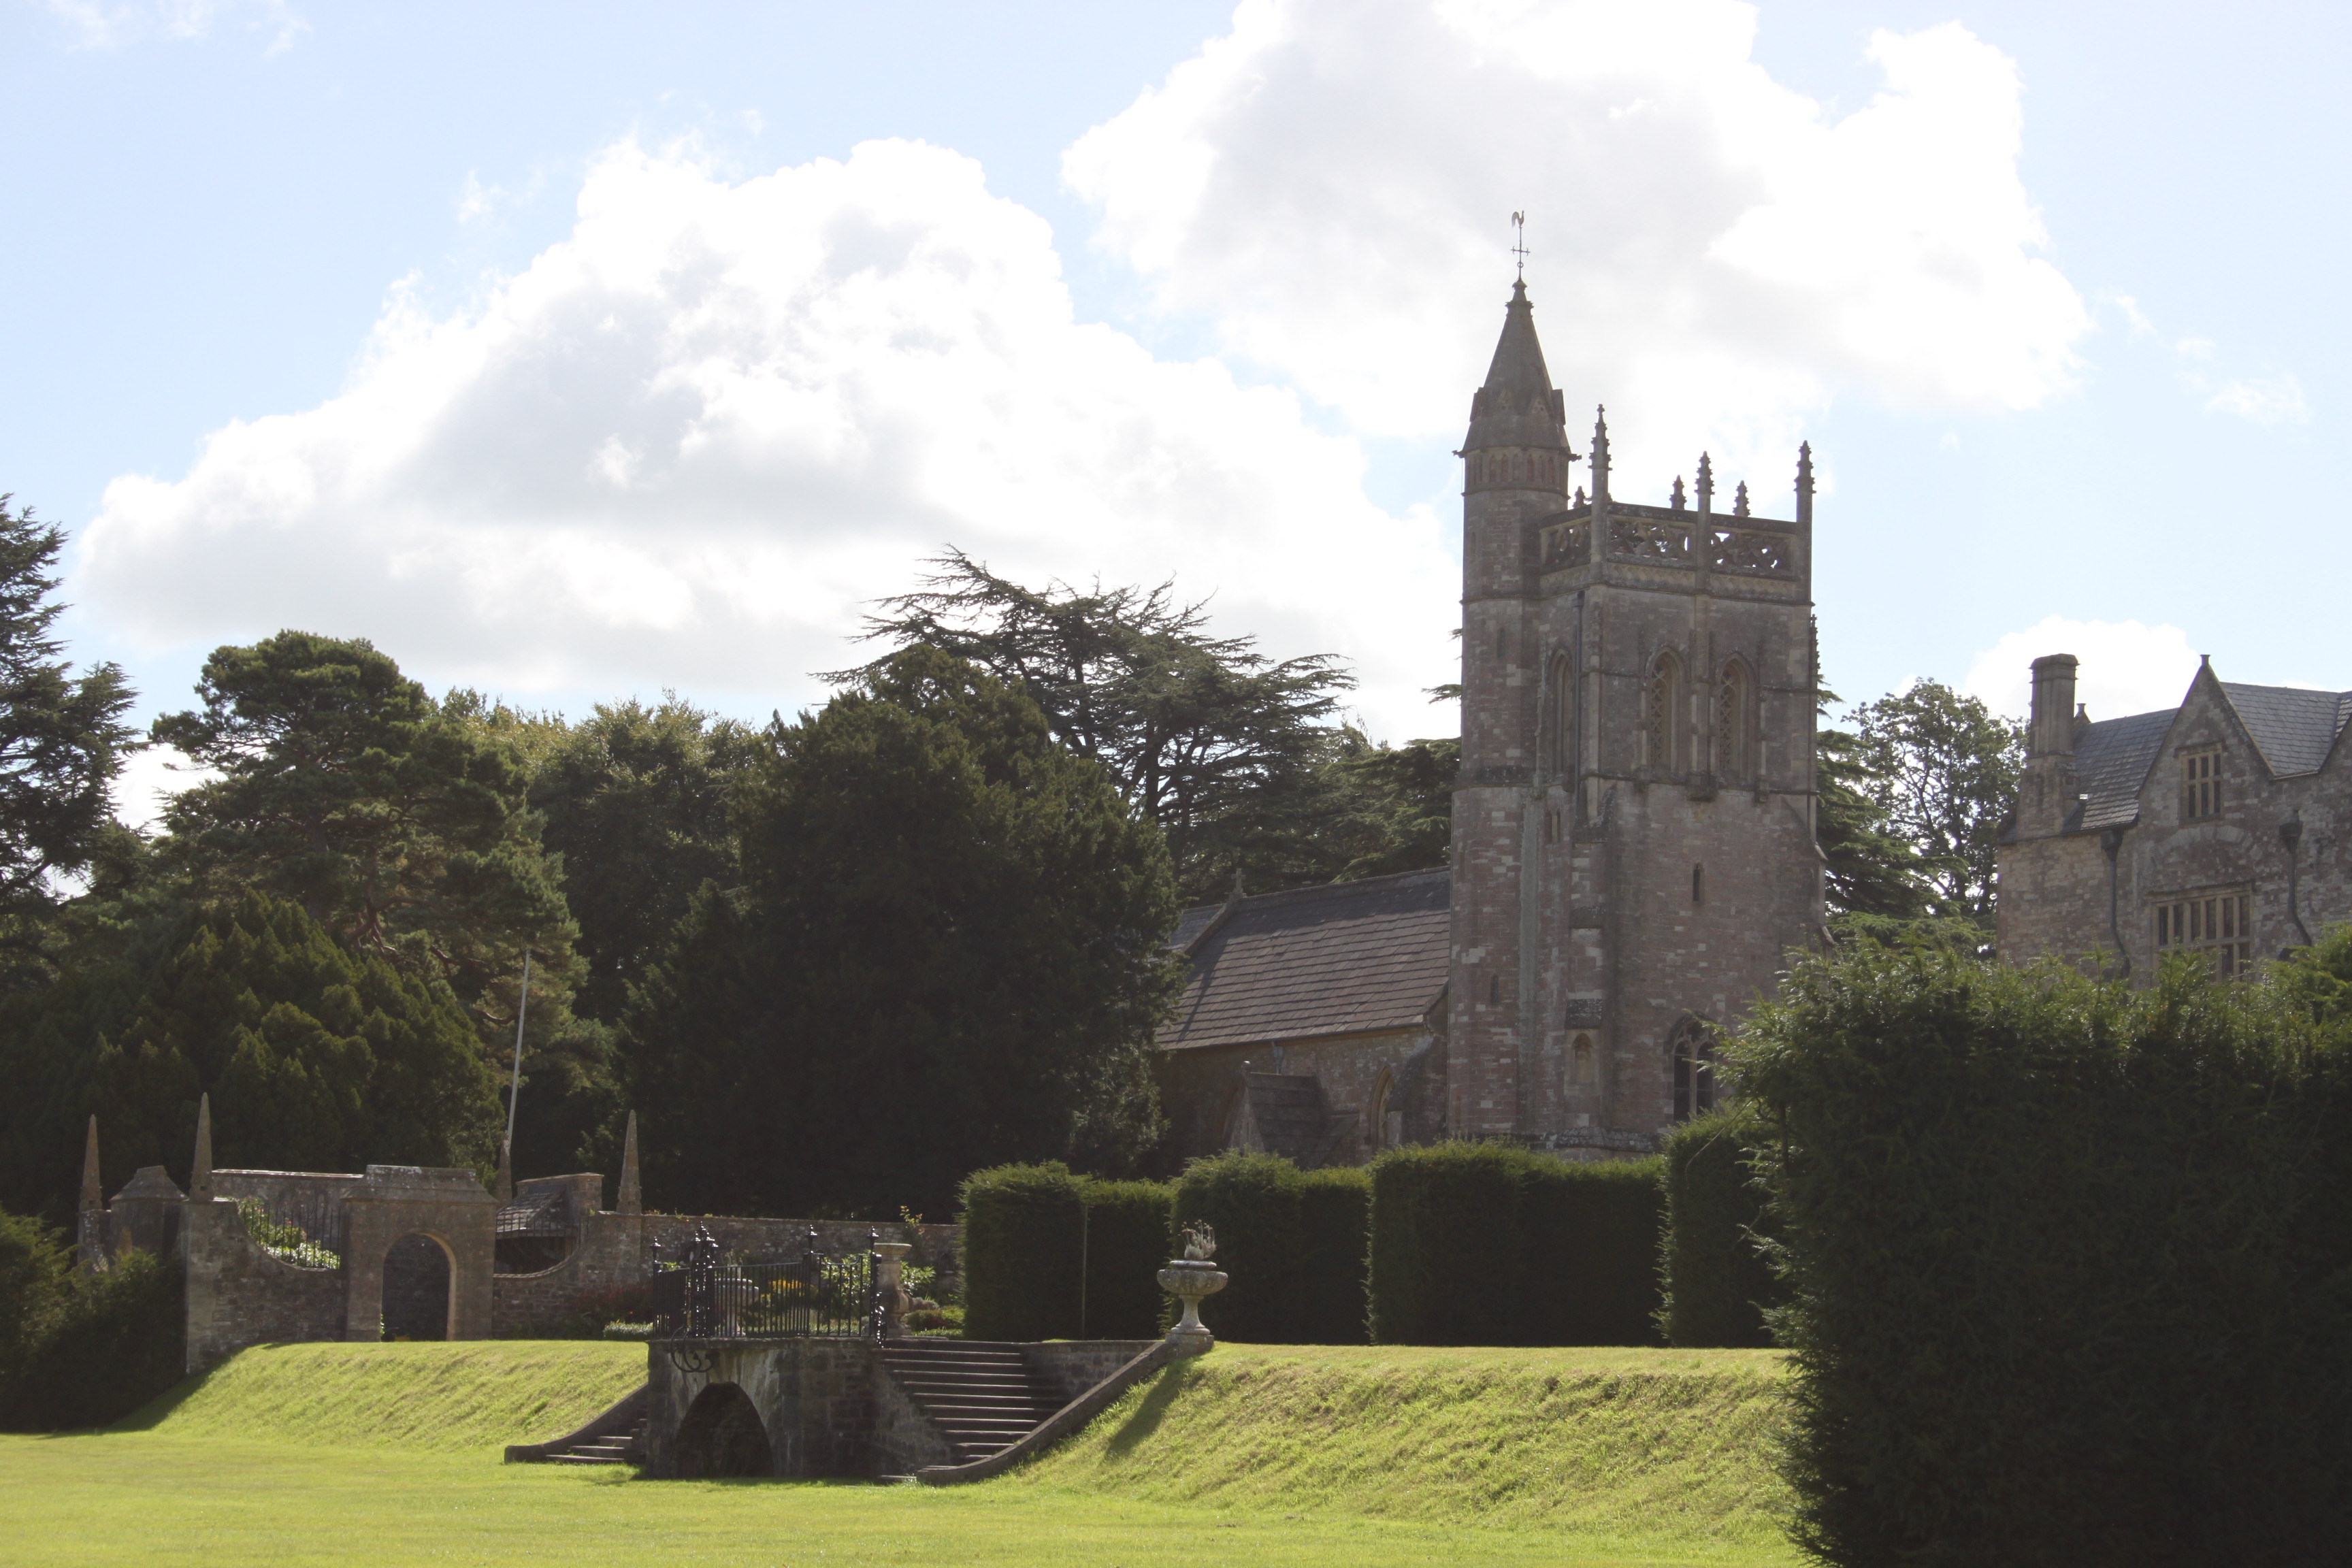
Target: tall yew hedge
(1049, 1254)
(1291, 1241)
(1717, 1283)
(1484, 1244)
(2069, 1270)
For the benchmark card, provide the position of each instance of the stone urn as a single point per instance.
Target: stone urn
(1191, 1279)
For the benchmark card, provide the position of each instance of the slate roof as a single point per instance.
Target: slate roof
(2292, 728)
(1347, 958)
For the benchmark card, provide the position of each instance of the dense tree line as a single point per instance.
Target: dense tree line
(836, 960)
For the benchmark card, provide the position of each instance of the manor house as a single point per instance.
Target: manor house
(2216, 827)
(1634, 847)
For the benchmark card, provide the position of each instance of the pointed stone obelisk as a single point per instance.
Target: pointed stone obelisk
(90, 1238)
(200, 1178)
(632, 1199)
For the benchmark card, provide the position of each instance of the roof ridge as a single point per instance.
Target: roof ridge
(1319, 889)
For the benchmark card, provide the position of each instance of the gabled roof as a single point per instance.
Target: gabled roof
(1347, 958)
(2292, 728)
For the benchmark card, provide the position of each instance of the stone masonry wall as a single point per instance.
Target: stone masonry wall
(816, 1398)
(237, 1295)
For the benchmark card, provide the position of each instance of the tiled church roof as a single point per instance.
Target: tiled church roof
(1345, 957)
(2294, 729)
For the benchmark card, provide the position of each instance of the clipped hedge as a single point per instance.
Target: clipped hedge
(1127, 1246)
(1717, 1281)
(2069, 1274)
(1335, 1221)
(1023, 1238)
(1484, 1244)
(1053, 1255)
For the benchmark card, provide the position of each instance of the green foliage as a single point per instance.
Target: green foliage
(2317, 980)
(1392, 809)
(1866, 870)
(35, 1284)
(116, 1344)
(1220, 745)
(2069, 1268)
(1250, 1201)
(1491, 1244)
(635, 800)
(1716, 1283)
(398, 825)
(1126, 1243)
(1941, 772)
(1292, 1241)
(1023, 1239)
(945, 955)
(1335, 1221)
(62, 738)
(316, 1058)
(283, 1239)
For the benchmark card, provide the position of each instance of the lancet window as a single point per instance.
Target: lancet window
(1662, 715)
(1734, 738)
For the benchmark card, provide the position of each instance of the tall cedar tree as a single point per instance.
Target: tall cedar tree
(62, 738)
(945, 954)
(317, 1058)
(1220, 745)
(399, 827)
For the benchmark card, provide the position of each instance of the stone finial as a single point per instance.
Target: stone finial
(200, 1177)
(1679, 500)
(1739, 500)
(1600, 452)
(506, 1172)
(1805, 482)
(1705, 483)
(632, 1199)
(93, 1190)
(1580, 497)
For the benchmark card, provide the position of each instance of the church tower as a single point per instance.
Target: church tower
(1634, 819)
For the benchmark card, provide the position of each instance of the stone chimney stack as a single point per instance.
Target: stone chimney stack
(2047, 792)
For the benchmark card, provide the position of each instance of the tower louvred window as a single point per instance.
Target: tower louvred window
(1662, 715)
(1732, 747)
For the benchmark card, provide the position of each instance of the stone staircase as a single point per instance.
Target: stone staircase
(981, 1396)
(615, 1448)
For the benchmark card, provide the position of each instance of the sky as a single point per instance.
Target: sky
(574, 353)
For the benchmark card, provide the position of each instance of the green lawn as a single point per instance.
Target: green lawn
(1288, 1457)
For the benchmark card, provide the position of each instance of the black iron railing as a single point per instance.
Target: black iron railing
(700, 1297)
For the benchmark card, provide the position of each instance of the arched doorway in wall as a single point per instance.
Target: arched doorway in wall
(722, 1435)
(418, 1302)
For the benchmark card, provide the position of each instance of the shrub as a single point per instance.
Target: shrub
(2068, 1275)
(283, 1239)
(118, 1343)
(1484, 1244)
(36, 1286)
(1250, 1201)
(1126, 1243)
(1024, 1247)
(1716, 1284)
(1335, 1222)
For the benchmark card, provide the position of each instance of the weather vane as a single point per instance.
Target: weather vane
(1519, 242)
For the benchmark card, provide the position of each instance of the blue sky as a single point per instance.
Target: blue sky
(580, 351)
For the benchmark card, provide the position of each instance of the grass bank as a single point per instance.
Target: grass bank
(473, 1394)
(1661, 1444)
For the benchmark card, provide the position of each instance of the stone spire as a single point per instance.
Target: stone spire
(1600, 452)
(1516, 406)
(1705, 484)
(1805, 482)
(93, 1190)
(632, 1199)
(200, 1178)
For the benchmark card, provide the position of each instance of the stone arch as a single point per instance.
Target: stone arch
(1690, 1057)
(1583, 1062)
(722, 1434)
(1735, 722)
(1662, 721)
(420, 1289)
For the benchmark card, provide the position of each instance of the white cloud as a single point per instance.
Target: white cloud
(2271, 401)
(2127, 667)
(687, 443)
(99, 25)
(148, 779)
(1715, 255)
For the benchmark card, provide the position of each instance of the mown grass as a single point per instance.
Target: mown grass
(1289, 1458)
(1663, 1444)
